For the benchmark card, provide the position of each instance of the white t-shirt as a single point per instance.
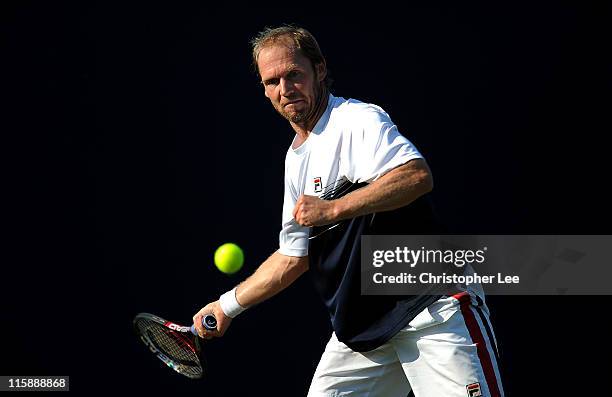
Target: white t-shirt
(352, 141)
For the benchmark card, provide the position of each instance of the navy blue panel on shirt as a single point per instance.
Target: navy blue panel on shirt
(365, 322)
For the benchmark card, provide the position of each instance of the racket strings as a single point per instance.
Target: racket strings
(171, 346)
(174, 346)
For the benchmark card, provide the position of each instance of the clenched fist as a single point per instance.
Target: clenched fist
(312, 211)
(223, 321)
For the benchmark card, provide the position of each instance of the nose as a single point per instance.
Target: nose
(286, 87)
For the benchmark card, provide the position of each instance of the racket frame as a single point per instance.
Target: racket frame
(180, 331)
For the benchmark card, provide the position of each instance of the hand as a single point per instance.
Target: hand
(312, 211)
(223, 321)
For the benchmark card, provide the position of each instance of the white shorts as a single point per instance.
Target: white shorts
(447, 350)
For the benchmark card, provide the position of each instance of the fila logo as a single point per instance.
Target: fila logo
(318, 186)
(473, 390)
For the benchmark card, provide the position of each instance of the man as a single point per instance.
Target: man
(350, 172)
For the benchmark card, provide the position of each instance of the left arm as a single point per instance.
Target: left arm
(397, 188)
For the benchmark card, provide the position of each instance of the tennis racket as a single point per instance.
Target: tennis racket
(175, 345)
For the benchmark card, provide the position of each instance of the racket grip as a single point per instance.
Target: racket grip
(208, 321)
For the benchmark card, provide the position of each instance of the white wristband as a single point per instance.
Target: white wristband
(229, 304)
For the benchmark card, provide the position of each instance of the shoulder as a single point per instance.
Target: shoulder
(355, 113)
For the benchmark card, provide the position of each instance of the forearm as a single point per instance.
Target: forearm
(397, 188)
(273, 275)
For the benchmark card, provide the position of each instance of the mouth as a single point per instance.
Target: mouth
(293, 102)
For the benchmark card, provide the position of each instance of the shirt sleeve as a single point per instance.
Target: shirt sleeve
(375, 146)
(293, 238)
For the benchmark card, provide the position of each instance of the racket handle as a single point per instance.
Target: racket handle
(208, 321)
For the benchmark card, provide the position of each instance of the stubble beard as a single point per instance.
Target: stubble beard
(296, 117)
(303, 117)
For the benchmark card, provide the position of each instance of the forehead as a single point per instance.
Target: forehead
(277, 59)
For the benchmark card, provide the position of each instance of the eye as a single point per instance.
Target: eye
(270, 82)
(293, 74)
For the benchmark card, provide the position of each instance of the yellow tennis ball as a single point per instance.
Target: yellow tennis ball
(229, 258)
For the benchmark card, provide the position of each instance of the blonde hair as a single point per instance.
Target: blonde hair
(296, 37)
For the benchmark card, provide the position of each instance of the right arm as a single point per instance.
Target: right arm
(274, 275)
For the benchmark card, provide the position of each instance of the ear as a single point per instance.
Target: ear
(321, 69)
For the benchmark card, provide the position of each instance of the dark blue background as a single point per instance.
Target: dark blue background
(137, 140)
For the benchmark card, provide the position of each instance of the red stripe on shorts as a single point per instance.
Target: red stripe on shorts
(478, 339)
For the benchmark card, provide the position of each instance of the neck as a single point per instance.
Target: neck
(304, 129)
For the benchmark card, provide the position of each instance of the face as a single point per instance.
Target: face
(290, 82)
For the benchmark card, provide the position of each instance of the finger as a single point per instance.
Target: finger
(298, 206)
(208, 334)
(303, 217)
(297, 214)
(197, 324)
(221, 327)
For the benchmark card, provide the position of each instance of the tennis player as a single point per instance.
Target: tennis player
(349, 172)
